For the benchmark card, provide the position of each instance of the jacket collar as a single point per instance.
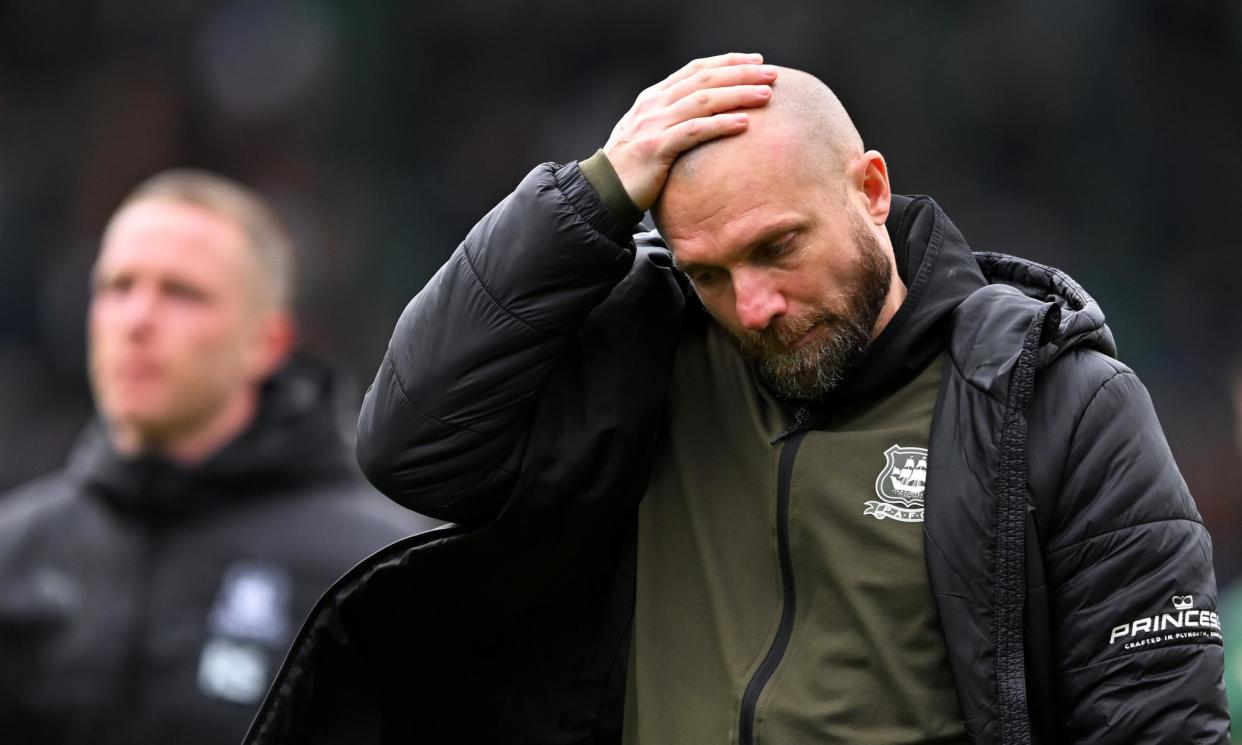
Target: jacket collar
(295, 438)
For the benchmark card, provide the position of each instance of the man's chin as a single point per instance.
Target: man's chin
(813, 368)
(136, 416)
(816, 335)
(805, 385)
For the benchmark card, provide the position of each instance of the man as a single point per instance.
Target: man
(148, 591)
(891, 491)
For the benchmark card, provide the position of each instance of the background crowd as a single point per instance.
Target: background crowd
(1104, 138)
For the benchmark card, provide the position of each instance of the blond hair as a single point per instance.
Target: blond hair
(267, 236)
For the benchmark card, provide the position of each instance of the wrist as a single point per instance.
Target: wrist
(603, 178)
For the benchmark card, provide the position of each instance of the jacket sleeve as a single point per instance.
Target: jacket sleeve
(441, 428)
(1129, 563)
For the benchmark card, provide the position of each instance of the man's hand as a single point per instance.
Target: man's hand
(693, 105)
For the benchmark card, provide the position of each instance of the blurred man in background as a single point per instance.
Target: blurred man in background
(149, 590)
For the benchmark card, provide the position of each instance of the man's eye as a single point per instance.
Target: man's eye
(113, 286)
(704, 278)
(183, 291)
(773, 250)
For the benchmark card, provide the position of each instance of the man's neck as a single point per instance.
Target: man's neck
(193, 446)
(892, 303)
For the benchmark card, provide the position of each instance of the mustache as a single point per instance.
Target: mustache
(782, 333)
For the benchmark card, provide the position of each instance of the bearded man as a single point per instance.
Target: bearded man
(799, 468)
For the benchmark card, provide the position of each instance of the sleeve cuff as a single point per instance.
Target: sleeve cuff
(603, 178)
(583, 197)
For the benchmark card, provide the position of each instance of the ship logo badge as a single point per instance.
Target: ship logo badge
(900, 485)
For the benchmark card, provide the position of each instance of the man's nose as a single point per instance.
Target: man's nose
(757, 301)
(138, 310)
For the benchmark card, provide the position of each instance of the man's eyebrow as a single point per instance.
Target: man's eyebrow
(689, 267)
(779, 230)
(97, 277)
(764, 238)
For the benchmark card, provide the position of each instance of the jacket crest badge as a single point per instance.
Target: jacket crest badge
(900, 485)
(250, 617)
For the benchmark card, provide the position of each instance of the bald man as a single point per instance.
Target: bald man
(799, 468)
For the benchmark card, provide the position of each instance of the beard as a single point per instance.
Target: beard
(812, 371)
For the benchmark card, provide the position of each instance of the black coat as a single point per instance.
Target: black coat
(143, 602)
(522, 397)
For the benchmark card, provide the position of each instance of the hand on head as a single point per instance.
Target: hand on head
(697, 103)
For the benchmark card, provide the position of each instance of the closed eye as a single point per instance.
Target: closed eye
(705, 277)
(774, 250)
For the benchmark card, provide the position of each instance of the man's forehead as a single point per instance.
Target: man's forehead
(734, 176)
(767, 140)
(166, 215)
(734, 239)
(168, 232)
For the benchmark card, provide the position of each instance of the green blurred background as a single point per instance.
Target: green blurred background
(1102, 137)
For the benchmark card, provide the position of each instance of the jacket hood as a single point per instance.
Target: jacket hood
(1079, 320)
(296, 437)
(948, 286)
(996, 325)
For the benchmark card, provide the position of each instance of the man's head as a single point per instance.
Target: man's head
(781, 231)
(189, 314)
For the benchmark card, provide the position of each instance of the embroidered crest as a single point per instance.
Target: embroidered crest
(234, 671)
(900, 485)
(253, 603)
(251, 616)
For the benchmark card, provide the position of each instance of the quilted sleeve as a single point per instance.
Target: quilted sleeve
(1133, 593)
(442, 426)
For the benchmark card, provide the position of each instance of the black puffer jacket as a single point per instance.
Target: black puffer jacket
(142, 602)
(522, 398)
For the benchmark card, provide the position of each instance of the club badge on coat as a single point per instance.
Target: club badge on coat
(900, 485)
(248, 625)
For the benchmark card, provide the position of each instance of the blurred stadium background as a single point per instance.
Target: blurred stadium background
(1104, 138)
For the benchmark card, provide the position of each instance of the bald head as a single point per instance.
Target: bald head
(803, 113)
(780, 230)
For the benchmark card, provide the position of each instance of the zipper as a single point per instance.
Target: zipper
(801, 416)
(776, 652)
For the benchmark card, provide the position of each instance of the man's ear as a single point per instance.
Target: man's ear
(275, 334)
(871, 174)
